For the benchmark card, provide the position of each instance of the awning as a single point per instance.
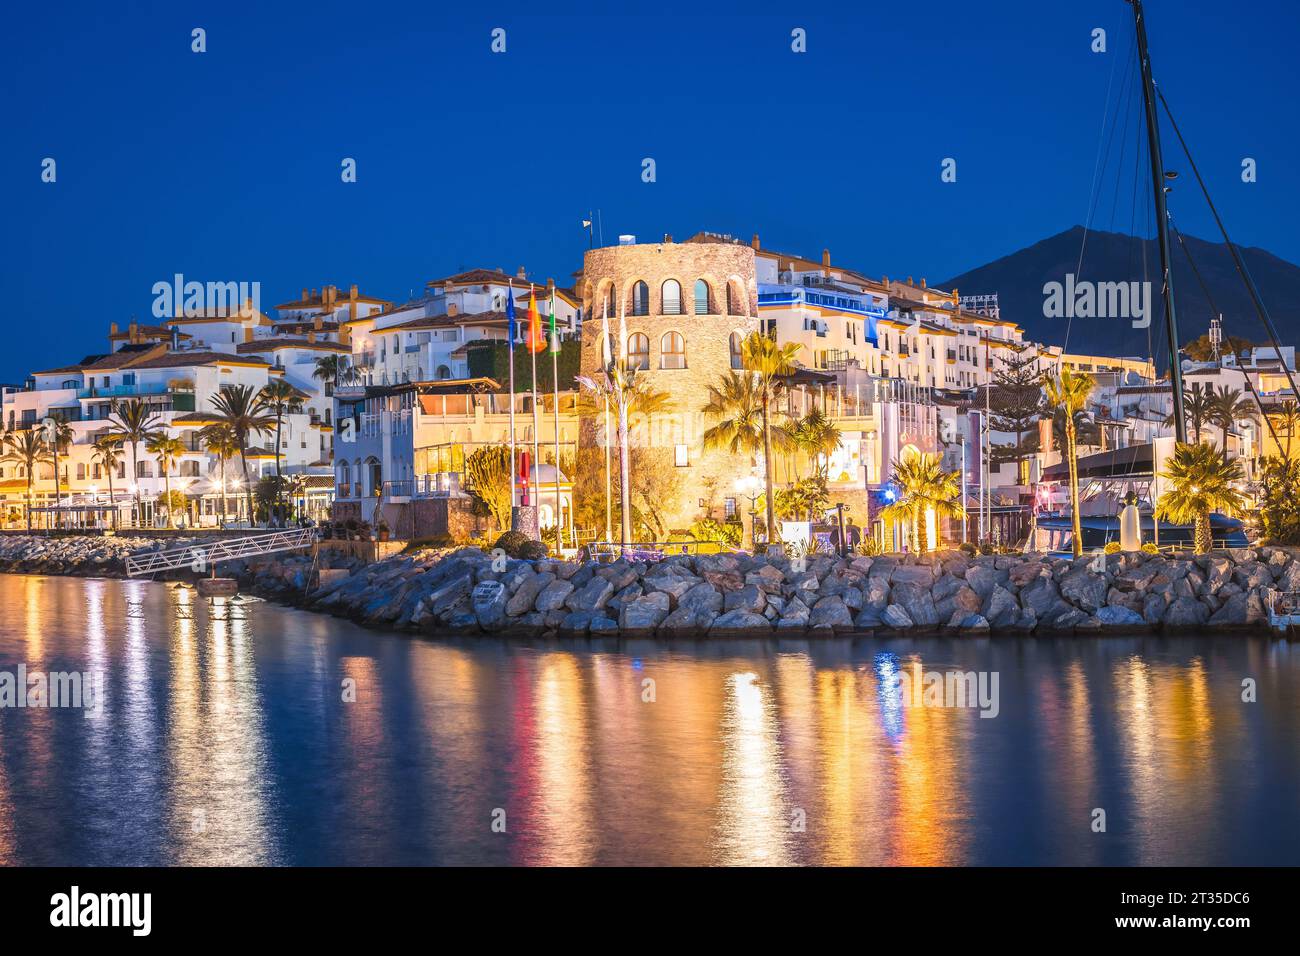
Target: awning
(1137, 461)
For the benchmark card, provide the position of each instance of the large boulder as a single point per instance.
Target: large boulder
(830, 612)
(915, 599)
(983, 578)
(1118, 616)
(553, 596)
(525, 596)
(740, 620)
(645, 612)
(1186, 612)
(1085, 589)
(918, 574)
(964, 600)
(592, 596)
(1001, 607)
(896, 617)
(751, 598)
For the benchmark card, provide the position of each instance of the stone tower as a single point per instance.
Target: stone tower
(685, 308)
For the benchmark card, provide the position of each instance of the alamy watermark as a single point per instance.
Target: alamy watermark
(1098, 300)
(976, 689)
(24, 689)
(206, 299)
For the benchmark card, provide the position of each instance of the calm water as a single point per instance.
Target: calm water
(224, 739)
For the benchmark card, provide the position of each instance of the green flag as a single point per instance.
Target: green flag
(555, 336)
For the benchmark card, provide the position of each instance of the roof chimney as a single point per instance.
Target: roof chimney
(248, 333)
(352, 293)
(826, 257)
(112, 328)
(668, 238)
(304, 295)
(521, 274)
(754, 242)
(248, 308)
(313, 294)
(550, 283)
(922, 282)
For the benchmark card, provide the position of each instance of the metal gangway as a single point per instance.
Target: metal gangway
(201, 557)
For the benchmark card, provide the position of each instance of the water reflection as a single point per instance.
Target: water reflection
(229, 736)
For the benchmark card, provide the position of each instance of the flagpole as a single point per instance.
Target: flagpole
(607, 356)
(510, 321)
(555, 410)
(534, 329)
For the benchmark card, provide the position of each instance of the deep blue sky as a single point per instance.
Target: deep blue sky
(225, 165)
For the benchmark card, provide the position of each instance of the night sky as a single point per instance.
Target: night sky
(225, 165)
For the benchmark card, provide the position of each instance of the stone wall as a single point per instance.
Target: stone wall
(435, 517)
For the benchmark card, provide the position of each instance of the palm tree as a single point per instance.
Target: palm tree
(817, 437)
(735, 408)
(280, 398)
(1068, 392)
(1288, 414)
(58, 436)
(327, 369)
(166, 450)
(135, 422)
(771, 365)
(28, 448)
(242, 409)
(618, 383)
(1227, 407)
(924, 486)
(1200, 482)
(1198, 406)
(219, 440)
(107, 452)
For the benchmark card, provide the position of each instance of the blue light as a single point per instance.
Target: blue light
(889, 494)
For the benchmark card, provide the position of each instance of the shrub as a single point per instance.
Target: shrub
(511, 542)
(709, 529)
(1112, 547)
(533, 551)
(1150, 548)
(967, 547)
(433, 541)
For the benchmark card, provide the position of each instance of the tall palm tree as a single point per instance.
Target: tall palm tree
(58, 436)
(1227, 407)
(924, 486)
(1198, 406)
(107, 453)
(240, 407)
(28, 448)
(279, 398)
(166, 450)
(133, 421)
(219, 440)
(1200, 482)
(1068, 392)
(1288, 415)
(771, 365)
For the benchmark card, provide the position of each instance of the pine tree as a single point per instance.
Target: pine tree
(1015, 402)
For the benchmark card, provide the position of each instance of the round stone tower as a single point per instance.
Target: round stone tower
(684, 308)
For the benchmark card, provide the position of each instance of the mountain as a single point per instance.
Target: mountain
(1019, 278)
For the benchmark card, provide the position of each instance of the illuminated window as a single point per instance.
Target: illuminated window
(638, 350)
(672, 297)
(672, 350)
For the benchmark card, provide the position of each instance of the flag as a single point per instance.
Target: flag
(535, 342)
(510, 315)
(555, 336)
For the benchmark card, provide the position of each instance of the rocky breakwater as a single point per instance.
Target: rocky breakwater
(76, 555)
(742, 595)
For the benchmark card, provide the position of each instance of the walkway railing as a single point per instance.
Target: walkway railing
(201, 557)
(651, 550)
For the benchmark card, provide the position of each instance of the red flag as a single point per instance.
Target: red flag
(536, 341)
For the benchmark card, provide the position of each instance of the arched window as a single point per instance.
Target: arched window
(733, 300)
(640, 299)
(672, 297)
(444, 372)
(638, 350)
(701, 297)
(611, 309)
(672, 350)
(736, 362)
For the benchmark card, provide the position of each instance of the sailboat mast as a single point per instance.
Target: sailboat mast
(1162, 220)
